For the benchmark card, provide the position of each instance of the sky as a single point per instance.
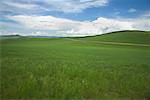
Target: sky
(72, 17)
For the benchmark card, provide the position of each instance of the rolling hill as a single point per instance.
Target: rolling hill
(76, 68)
(139, 37)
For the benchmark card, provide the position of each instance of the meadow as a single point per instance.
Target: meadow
(62, 68)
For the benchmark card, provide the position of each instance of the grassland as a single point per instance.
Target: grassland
(139, 37)
(61, 68)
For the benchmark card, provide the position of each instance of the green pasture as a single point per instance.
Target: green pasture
(60, 68)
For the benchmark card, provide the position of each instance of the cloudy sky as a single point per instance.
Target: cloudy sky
(72, 17)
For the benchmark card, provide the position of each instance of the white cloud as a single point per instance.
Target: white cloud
(21, 5)
(66, 27)
(39, 33)
(71, 6)
(66, 6)
(11, 7)
(44, 22)
(8, 33)
(142, 24)
(132, 10)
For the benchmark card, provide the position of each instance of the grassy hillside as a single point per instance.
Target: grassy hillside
(122, 36)
(42, 68)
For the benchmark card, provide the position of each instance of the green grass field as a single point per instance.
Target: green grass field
(64, 68)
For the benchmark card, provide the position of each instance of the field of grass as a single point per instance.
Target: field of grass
(59, 68)
(125, 36)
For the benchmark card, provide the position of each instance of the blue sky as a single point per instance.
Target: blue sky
(73, 17)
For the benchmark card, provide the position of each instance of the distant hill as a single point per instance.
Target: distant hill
(10, 36)
(127, 36)
(142, 37)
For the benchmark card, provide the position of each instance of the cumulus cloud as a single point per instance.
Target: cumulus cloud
(142, 24)
(67, 27)
(44, 22)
